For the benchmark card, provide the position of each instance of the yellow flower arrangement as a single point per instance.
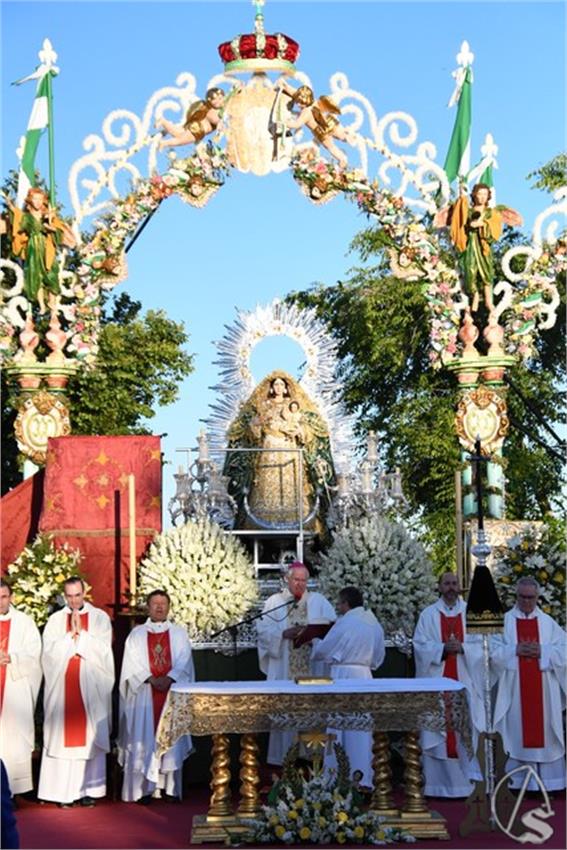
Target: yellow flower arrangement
(304, 833)
(539, 553)
(38, 574)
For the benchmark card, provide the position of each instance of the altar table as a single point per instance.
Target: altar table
(378, 705)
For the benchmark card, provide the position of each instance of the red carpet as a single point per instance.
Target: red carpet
(166, 825)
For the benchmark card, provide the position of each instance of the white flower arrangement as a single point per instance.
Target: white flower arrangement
(537, 552)
(390, 568)
(207, 574)
(38, 574)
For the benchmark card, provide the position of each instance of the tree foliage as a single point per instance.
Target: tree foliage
(140, 366)
(381, 328)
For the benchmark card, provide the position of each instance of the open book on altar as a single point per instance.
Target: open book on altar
(310, 632)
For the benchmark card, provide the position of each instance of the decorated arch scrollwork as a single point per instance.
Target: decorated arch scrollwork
(390, 175)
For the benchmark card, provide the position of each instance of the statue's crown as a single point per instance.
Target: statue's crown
(259, 51)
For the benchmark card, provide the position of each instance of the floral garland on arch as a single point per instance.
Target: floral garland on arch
(38, 574)
(100, 263)
(540, 553)
(207, 574)
(389, 566)
(415, 253)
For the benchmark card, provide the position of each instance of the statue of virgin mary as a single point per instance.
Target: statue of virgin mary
(287, 466)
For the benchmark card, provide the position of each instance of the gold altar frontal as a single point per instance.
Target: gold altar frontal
(220, 709)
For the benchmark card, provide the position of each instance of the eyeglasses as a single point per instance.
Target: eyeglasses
(528, 598)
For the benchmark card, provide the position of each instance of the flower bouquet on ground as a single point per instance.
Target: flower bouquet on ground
(38, 574)
(317, 807)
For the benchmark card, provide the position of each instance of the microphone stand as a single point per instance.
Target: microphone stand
(233, 629)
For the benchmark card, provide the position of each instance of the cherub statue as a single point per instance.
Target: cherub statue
(201, 118)
(36, 235)
(320, 116)
(474, 228)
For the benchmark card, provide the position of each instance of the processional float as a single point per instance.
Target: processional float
(260, 115)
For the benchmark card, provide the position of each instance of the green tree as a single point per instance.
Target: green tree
(552, 175)
(381, 328)
(140, 366)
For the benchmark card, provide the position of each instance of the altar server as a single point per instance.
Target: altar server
(20, 678)
(443, 648)
(278, 657)
(79, 675)
(354, 647)
(529, 660)
(156, 654)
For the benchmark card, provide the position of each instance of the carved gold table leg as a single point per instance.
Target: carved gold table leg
(220, 803)
(415, 816)
(249, 806)
(382, 800)
(413, 775)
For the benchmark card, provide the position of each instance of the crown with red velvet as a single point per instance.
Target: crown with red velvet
(259, 51)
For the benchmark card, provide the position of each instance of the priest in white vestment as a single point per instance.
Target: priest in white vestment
(278, 657)
(353, 648)
(156, 654)
(79, 675)
(442, 648)
(20, 678)
(529, 663)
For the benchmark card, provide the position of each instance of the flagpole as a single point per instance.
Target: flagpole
(50, 139)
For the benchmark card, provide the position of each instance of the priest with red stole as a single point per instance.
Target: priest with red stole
(156, 654)
(20, 678)
(442, 648)
(529, 660)
(79, 675)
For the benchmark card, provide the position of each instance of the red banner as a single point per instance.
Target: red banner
(20, 509)
(86, 505)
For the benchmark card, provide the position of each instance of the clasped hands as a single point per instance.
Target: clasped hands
(528, 649)
(76, 625)
(160, 683)
(453, 646)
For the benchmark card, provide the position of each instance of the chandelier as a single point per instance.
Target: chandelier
(366, 491)
(201, 490)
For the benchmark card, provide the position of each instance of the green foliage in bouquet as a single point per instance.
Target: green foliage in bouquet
(319, 807)
(38, 574)
(538, 552)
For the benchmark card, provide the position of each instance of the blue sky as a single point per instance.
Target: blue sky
(259, 237)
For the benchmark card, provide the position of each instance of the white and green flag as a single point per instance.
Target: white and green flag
(458, 159)
(40, 120)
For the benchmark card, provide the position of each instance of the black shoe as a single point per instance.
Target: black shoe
(145, 801)
(65, 805)
(169, 798)
(87, 801)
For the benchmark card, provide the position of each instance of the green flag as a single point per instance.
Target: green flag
(40, 120)
(458, 160)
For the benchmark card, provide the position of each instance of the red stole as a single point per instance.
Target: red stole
(4, 639)
(451, 626)
(159, 654)
(531, 689)
(75, 734)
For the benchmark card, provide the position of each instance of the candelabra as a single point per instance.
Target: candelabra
(366, 491)
(202, 491)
